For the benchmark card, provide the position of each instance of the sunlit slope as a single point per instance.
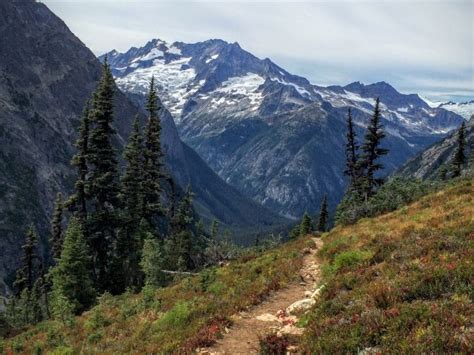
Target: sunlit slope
(401, 282)
(189, 314)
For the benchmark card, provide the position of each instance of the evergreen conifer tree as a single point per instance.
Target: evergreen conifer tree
(131, 184)
(78, 201)
(351, 153)
(25, 276)
(459, 159)
(181, 245)
(36, 303)
(323, 215)
(443, 172)
(295, 231)
(103, 183)
(72, 277)
(126, 267)
(152, 262)
(153, 167)
(306, 225)
(372, 151)
(57, 228)
(214, 229)
(24, 303)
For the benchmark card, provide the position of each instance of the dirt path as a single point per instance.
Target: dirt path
(278, 313)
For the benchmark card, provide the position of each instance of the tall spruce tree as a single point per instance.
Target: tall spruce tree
(72, 278)
(372, 151)
(78, 201)
(131, 185)
(323, 215)
(104, 181)
(26, 274)
(153, 167)
(126, 268)
(306, 225)
(152, 262)
(459, 159)
(24, 304)
(214, 229)
(182, 242)
(351, 153)
(57, 228)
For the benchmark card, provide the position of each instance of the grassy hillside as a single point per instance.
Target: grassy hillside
(401, 282)
(189, 314)
(397, 283)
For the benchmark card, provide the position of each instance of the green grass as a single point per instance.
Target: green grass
(189, 314)
(401, 282)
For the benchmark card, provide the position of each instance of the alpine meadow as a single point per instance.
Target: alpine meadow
(165, 190)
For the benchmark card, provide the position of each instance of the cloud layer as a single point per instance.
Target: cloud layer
(418, 46)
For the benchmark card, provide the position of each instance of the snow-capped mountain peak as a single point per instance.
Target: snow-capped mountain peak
(220, 78)
(214, 74)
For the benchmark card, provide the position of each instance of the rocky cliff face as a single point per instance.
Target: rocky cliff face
(46, 75)
(427, 164)
(273, 135)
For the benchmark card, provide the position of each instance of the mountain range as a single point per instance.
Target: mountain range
(273, 135)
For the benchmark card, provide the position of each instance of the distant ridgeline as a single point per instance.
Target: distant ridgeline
(271, 134)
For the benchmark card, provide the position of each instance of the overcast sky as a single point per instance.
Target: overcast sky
(418, 46)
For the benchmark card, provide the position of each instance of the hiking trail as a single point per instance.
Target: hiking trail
(278, 313)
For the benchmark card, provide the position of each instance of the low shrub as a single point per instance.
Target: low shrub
(176, 316)
(273, 344)
(350, 258)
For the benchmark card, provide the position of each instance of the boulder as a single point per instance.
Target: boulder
(301, 306)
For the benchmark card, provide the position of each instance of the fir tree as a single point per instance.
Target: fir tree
(306, 225)
(126, 268)
(72, 274)
(459, 159)
(295, 231)
(124, 263)
(152, 262)
(25, 303)
(181, 246)
(36, 303)
(103, 182)
(372, 151)
(45, 287)
(323, 215)
(351, 153)
(61, 307)
(152, 155)
(25, 276)
(131, 184)
(214, 229)
(443, 172)
(57, 228)
(78, 201)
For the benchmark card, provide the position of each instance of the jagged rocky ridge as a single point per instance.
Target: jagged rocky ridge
(427, 164)
(273, 135)
(46, 75)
